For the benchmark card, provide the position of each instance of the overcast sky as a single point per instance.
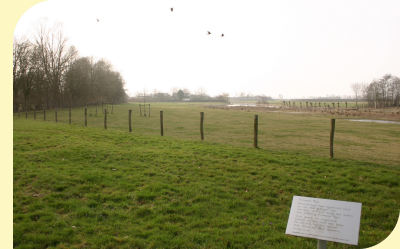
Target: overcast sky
(294, 48)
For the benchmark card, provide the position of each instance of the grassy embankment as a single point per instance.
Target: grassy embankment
(77, 186)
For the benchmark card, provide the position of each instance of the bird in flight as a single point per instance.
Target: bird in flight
(98, 20)
(208, 33)
(172, 9)
(222, 35)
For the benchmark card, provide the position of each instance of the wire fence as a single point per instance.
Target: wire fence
(237, 127)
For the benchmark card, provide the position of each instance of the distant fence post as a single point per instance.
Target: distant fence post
(34, 112)
(331, 137)
(96, 109)
(44, 114)
(56, 113)
(149, 110)
(307, 105)
(85, 116)
(105, 118)
(346, 104)
(255, 131)
(112, 109)
(161, 123)
(130, 116)
(69, 115)
(201, 125)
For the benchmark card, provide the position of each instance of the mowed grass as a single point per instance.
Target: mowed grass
(87, 187)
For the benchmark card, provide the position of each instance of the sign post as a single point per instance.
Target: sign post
(325, 220)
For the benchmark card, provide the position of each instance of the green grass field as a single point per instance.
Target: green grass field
(90, 187)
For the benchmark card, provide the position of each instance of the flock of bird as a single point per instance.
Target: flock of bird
(172, 10)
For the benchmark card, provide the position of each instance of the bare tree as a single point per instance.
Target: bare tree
(202, 92)
(364, 92)
(174, 90)
(21, 63)
(185, 90)
(223, 97)
(356, 87)
(55, 55)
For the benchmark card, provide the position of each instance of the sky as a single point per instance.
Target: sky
(293, 48)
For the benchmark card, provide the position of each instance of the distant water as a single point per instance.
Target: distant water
(375, 121)
(234, 105)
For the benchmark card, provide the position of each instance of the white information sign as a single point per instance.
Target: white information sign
(324, 219)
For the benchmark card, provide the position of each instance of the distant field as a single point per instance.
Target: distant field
(87, 187)
(278, 131)
(297, 103)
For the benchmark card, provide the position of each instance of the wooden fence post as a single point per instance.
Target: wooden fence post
(105, 118)
(69, 114)
(346, 105)
(96, 109)
(161, 123)
(201, 125)
(56, 113)
(331, 137)
(130, 116)
(85, 116)
(44, 114)
(255, 131)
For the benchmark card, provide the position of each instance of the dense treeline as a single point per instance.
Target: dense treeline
(48, 73)
(383, 92)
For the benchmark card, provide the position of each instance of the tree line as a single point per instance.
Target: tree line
(48, 73)
(380, 93)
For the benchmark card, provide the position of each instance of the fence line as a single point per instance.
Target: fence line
(255, 124)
